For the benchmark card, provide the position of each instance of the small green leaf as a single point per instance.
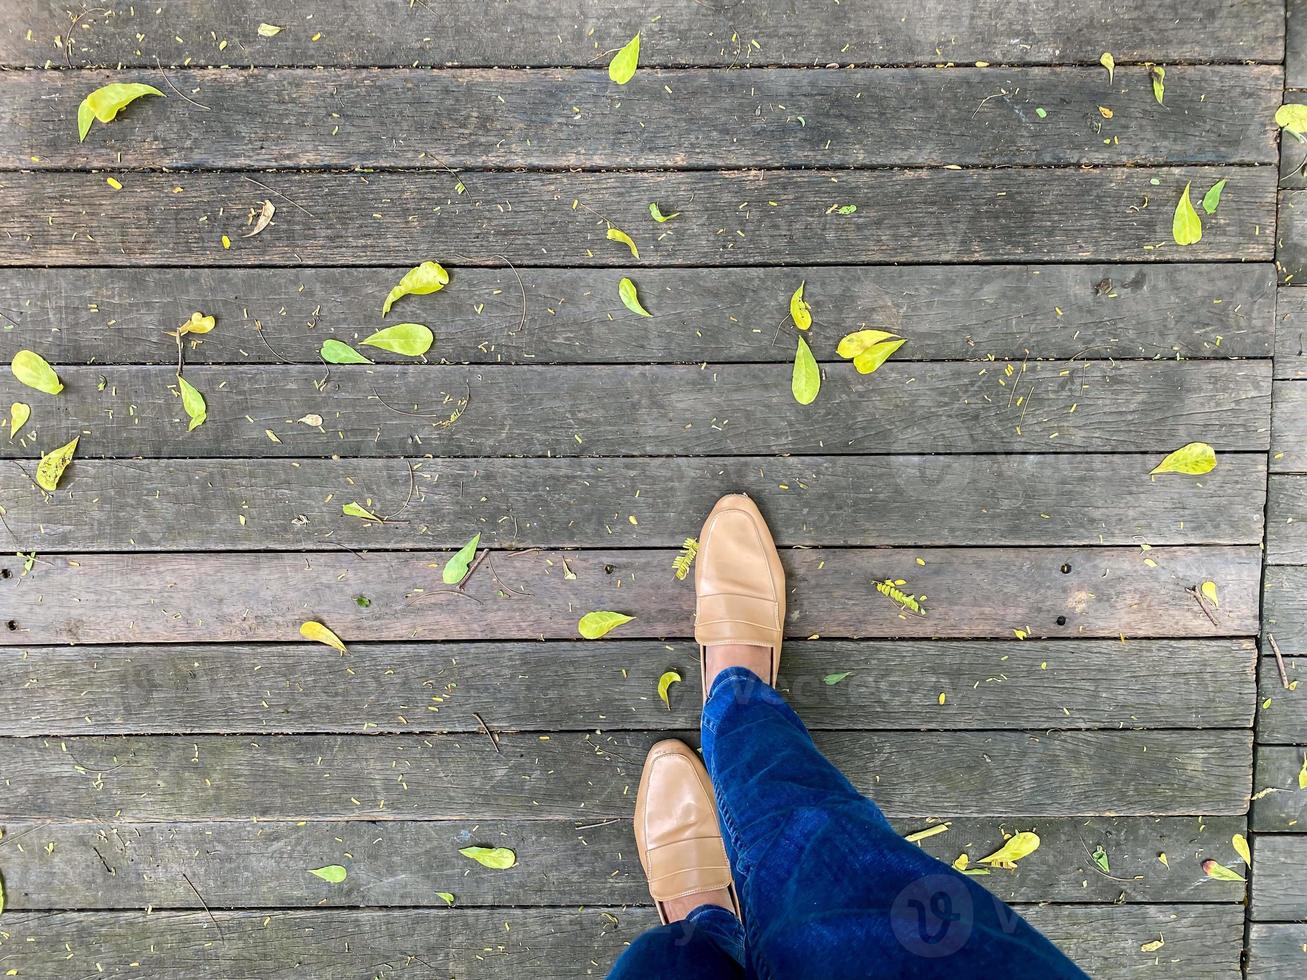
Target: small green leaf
(617, 235)
(193, 402)
(846, 209)
(830, 680)
(106, 102)
(332, 873)
(19, 413)
(1213, 196)
(1108, 62)
(593, 625)
(800, 311)
(1100, 859)
(1186, 227)
(362, 601)
(35, 371)
(1158, 74)
(656, 213)
(335, 352)
(355, 509)
(1041, 112)
(498, 858)
(52, 466)
(626, 290)
(622, 68)
(318, 633)
(869, 360)
(409, 339)
(1240, 843)
(418, 281)
(456, 568)
(805, 380)
(447, 897)
(1220, 872)
(665, 684)
(1195, 459)
(1292, 117)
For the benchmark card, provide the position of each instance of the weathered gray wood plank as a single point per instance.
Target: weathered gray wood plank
(108, 316)
(1275, 952)
(1286, 507)
(1295, 44)
(1279, 888)
(567, 118)
(1284, 721)
(1084, 934)
(585, 686)
(593, 775)
(1288, 427)
(1202, 942)
(734, 409)
(579, 32)
(984, 592)
(1291, 233)
(1290, 330)
(258, 504)
(1285, 606)
(732, 218)
(1281, 805)
(243, 864)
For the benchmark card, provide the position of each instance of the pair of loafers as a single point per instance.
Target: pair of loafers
(740, 588)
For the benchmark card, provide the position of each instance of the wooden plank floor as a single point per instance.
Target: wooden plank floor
(175, 759)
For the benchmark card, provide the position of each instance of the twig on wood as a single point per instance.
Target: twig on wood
(1279, 660)
(281, 195)
(412, 415)
(258, 329)
(494, 740)
(423, 595)
(1202, 604)
(412, 486)
(206, 907)
(198, 105)
(472, 568)
(500, 581)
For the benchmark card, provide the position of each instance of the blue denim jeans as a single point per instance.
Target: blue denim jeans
(828, 889)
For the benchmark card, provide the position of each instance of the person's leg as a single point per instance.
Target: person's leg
(708, 944)
(827, 887)
(679, 841)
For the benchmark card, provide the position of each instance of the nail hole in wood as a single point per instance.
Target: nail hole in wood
(1066, 569)
(1061, 620)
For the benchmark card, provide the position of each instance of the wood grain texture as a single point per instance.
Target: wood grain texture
(549, 944)
(1284, 721)
(109, 316)
(344, 118)
(1291, 234)
(586, 686)
(1285, 607)
(242, 864)
(728, 218)
(984, 592)
(1279, 891)
(1290, 330)
(1275, 951)
(1295, 44)
(1288, 427)
(594, 775)
(580, 32)
(1286, 507)
(295, 504)
(1283, 806)
(666, 410)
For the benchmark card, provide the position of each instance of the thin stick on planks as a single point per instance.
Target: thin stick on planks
(1279, 660)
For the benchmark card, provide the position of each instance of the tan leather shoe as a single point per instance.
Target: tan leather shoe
(739, 582)
(676, 831)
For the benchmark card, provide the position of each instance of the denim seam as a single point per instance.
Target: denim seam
(752, 945)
